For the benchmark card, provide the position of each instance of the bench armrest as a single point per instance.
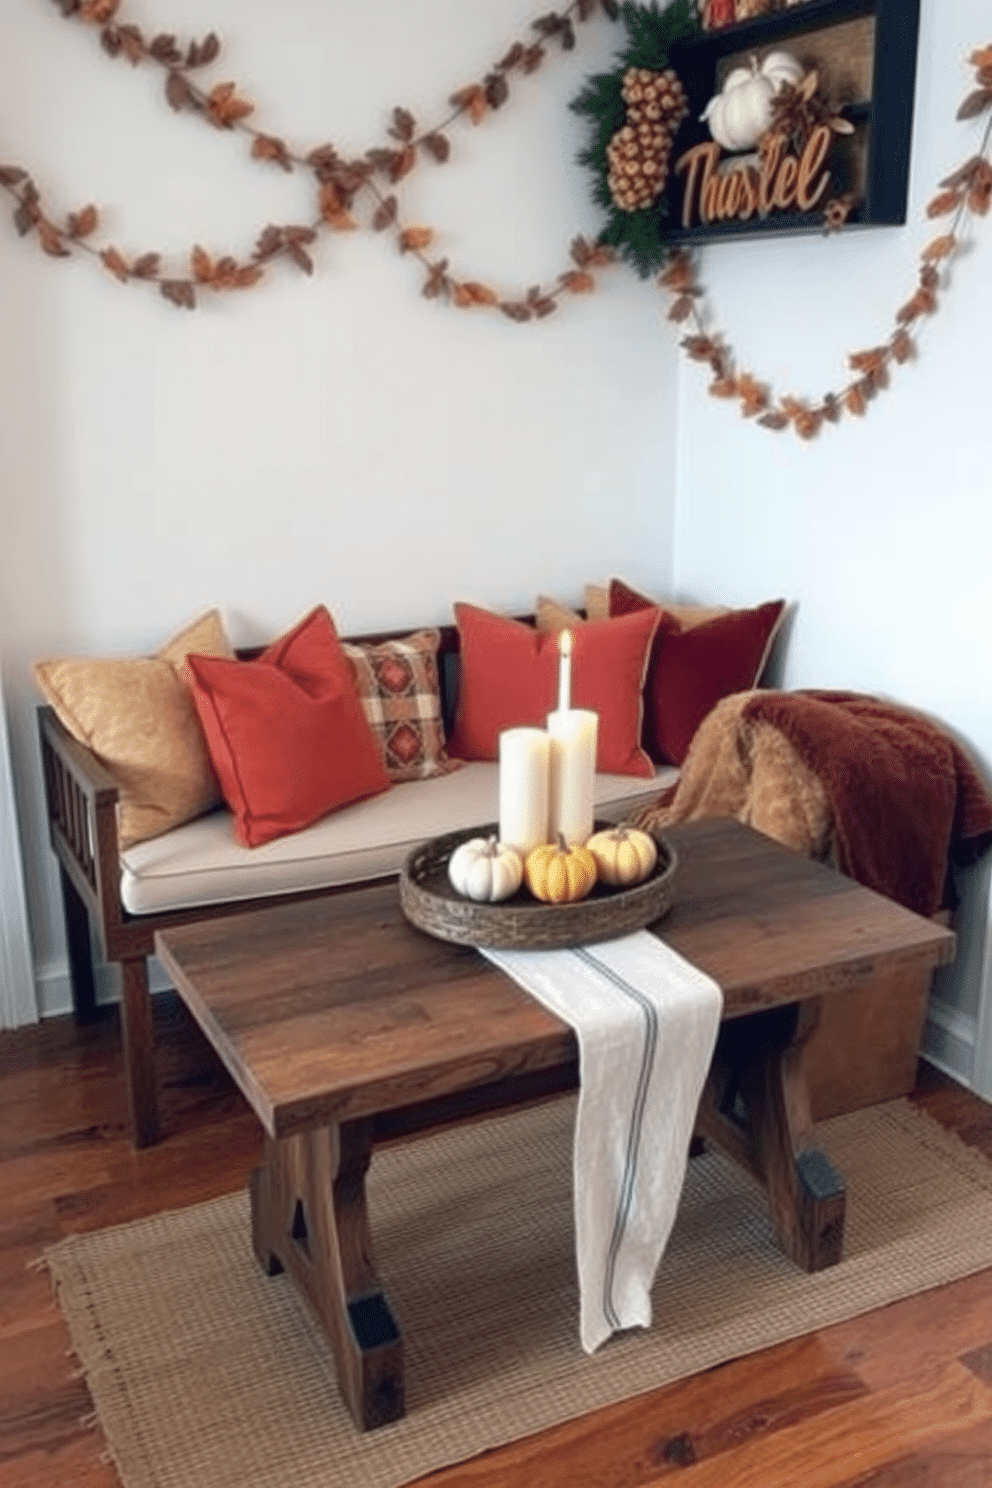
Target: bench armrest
(81, 796)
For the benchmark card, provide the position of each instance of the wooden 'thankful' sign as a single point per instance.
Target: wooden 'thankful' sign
(781, 182)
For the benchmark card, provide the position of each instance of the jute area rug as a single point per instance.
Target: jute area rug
(207, 1374)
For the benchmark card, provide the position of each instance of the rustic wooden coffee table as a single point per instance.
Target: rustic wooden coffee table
(345, 1026)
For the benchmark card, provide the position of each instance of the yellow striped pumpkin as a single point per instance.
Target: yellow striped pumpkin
(559, 874)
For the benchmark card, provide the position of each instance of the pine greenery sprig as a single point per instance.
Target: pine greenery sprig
(651, 33)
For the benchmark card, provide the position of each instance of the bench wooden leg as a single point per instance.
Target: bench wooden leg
(77, 934)
(309, 1218)
(136, 1014)
(139, 1052)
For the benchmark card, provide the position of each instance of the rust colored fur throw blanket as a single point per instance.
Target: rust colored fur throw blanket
(884, 793)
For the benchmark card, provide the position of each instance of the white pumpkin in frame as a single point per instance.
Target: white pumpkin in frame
(741, 112)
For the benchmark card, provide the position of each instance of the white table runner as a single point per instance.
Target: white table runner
(646, 1023)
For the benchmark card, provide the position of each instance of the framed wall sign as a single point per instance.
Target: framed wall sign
(842, 150)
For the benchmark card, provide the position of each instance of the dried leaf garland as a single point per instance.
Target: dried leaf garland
(385, 214)
(941, 247)
(967, 190)
(99, 10)
(334, 208)
(179, 292)
(225, 107)
(51, 240)
(114, 260)
(404, 125)
(472, 101)
(473, 293)
(267, 147)
(753, 395)
(437, 145)
(946, 201)
(178, 92)
(415, 239)
(81, 224)
(976, 103)
(338, 181)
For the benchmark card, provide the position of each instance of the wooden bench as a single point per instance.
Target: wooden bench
(81, 799)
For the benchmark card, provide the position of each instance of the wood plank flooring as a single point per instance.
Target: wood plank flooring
(900, 1398)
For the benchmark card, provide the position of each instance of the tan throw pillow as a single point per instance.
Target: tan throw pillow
(399, 686)
(138, 717)
(597, 606)
(550, 614)
(596, 601)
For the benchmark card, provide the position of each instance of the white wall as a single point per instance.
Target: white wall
(880, 530)
(334, 439)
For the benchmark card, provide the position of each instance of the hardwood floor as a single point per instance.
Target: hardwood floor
(900, 1398)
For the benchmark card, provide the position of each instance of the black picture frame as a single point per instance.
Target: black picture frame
(879, 150)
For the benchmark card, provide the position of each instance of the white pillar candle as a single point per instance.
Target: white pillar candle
(573, 733)
(524, 779)
(564, 671)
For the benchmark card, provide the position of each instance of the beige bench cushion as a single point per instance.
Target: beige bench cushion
(200, 863)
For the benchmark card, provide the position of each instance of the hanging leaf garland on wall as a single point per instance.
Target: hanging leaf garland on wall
(640, 235)
(964, 194)
(339, 181)
(637, 236)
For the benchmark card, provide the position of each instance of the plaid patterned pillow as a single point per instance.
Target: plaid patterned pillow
(398, 684)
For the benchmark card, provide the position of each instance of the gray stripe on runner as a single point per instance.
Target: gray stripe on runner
(625, 1196)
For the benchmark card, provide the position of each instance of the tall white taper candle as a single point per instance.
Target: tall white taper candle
(564, 671)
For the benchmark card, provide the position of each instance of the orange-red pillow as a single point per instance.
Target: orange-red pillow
(287, 734)
(691, 670)
(509, 678)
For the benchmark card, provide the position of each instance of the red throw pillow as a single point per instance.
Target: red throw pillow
(509, 679)
(287, 734)
(691, 670)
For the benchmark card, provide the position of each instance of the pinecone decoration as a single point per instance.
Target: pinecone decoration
(638, 154)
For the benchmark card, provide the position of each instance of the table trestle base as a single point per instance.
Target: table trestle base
(755, 1107)
(309, 1219)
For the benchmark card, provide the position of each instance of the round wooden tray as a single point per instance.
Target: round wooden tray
(523, 923)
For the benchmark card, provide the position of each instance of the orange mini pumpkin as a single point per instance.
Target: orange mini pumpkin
(559, 874)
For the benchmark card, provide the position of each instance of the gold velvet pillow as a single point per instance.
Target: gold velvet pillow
(138, 717)
(551, 614)
(597, 606)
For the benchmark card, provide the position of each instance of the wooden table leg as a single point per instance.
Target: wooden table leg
(309, 1218)
(806, 1194)
(761, 1062)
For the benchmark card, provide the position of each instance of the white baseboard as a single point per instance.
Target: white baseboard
(950, 1040)
(53, 988)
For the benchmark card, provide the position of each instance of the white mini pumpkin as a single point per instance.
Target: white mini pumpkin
(485, 870)
(741, 112)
